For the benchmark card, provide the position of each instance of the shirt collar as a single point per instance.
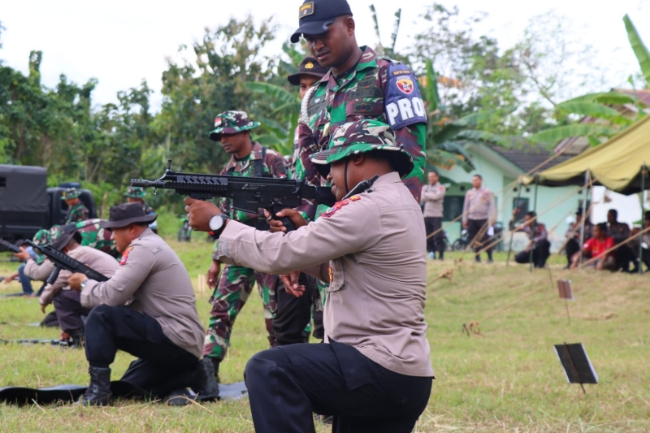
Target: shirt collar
(368, 60)
(256, 153)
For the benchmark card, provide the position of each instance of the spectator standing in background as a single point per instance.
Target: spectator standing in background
(433, 196)
(479, 214)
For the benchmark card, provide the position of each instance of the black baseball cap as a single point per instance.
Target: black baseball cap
(308, 66)
(317, 15)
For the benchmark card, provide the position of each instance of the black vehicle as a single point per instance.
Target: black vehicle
(28, 205)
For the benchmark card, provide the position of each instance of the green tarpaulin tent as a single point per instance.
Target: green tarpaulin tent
(616, 164)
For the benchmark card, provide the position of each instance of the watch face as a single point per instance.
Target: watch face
(216, 222)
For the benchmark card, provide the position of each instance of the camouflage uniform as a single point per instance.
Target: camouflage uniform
(77, 212)
(361, 93)
(236, 282)
(139, 193)
(92, 235)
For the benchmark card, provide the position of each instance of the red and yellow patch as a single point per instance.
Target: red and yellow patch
(125, 256)
(331, 274)
(338, 205)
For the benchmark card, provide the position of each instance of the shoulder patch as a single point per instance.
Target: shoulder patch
(125, 256)
(338, 205)
(404, 104)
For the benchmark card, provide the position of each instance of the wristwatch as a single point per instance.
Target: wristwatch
(83, 284)
(217, 224)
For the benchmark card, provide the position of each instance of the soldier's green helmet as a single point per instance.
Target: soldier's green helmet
(135, 192)
(44, 237)
(70, 193)
(360, 137)
(231, 122)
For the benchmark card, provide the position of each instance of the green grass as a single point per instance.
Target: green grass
(507, 379)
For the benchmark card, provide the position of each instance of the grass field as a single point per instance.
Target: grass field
(507, 379)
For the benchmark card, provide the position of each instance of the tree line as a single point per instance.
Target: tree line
(475, 89)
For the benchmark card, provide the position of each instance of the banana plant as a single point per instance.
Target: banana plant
(279, 134)
(599, 119)
(640, 50)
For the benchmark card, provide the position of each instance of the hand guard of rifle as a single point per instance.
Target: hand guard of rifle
(247, 194)
(64, 261)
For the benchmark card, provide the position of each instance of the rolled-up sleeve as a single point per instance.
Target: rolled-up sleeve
(350, 228)
(128, 277)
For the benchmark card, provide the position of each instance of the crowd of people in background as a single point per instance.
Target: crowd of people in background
(609, 245)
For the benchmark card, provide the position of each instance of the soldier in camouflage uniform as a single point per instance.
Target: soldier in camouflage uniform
(248, 159)
(136, 194)
(76, 209)
(90, 234)
(359, 85)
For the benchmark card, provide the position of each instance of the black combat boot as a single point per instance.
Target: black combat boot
(77, 340)
(204, 383)
(215, 367)
(98, 392)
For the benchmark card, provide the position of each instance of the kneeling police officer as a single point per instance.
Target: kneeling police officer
(148, 309)
(375, 373)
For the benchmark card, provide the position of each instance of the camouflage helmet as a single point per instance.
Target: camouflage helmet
(135, 192)
(359, 137)
(70, 193)
(231, 122)
(43, 236)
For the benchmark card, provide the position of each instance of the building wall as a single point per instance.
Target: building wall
(552, 214)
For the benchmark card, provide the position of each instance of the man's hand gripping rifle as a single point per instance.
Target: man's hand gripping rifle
(64, 261)
(247, 194)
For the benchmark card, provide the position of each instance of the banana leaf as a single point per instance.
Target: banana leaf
(607, 98)
(640, 50)
(594, 109)
(559, 133)
(277, 93)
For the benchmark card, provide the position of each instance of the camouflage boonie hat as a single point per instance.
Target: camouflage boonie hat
(231, 122)
(360, 137)
(44, 237)
(135, 192)
(70, 193)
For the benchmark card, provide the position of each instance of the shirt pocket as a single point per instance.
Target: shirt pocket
(363, 108)
(337, 276)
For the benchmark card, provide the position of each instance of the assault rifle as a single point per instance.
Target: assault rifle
(11, 247)
(247, 194)
(64, 261)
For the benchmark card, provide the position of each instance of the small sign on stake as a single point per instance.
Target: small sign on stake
(576, 364)
(566, 293)
(565, 289)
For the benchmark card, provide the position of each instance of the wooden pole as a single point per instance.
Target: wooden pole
(532, 235)
(512, 233)
(584, 212)
(643, 171)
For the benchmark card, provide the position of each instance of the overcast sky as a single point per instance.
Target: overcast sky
(121, 42)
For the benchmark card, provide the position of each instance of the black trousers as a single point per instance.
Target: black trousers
(287, 384)
(473, 229)
(572, 247)
(294, 314)
(162, 366)
(435, 243)
(540, 254)
(69, 311)
(624, 256)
